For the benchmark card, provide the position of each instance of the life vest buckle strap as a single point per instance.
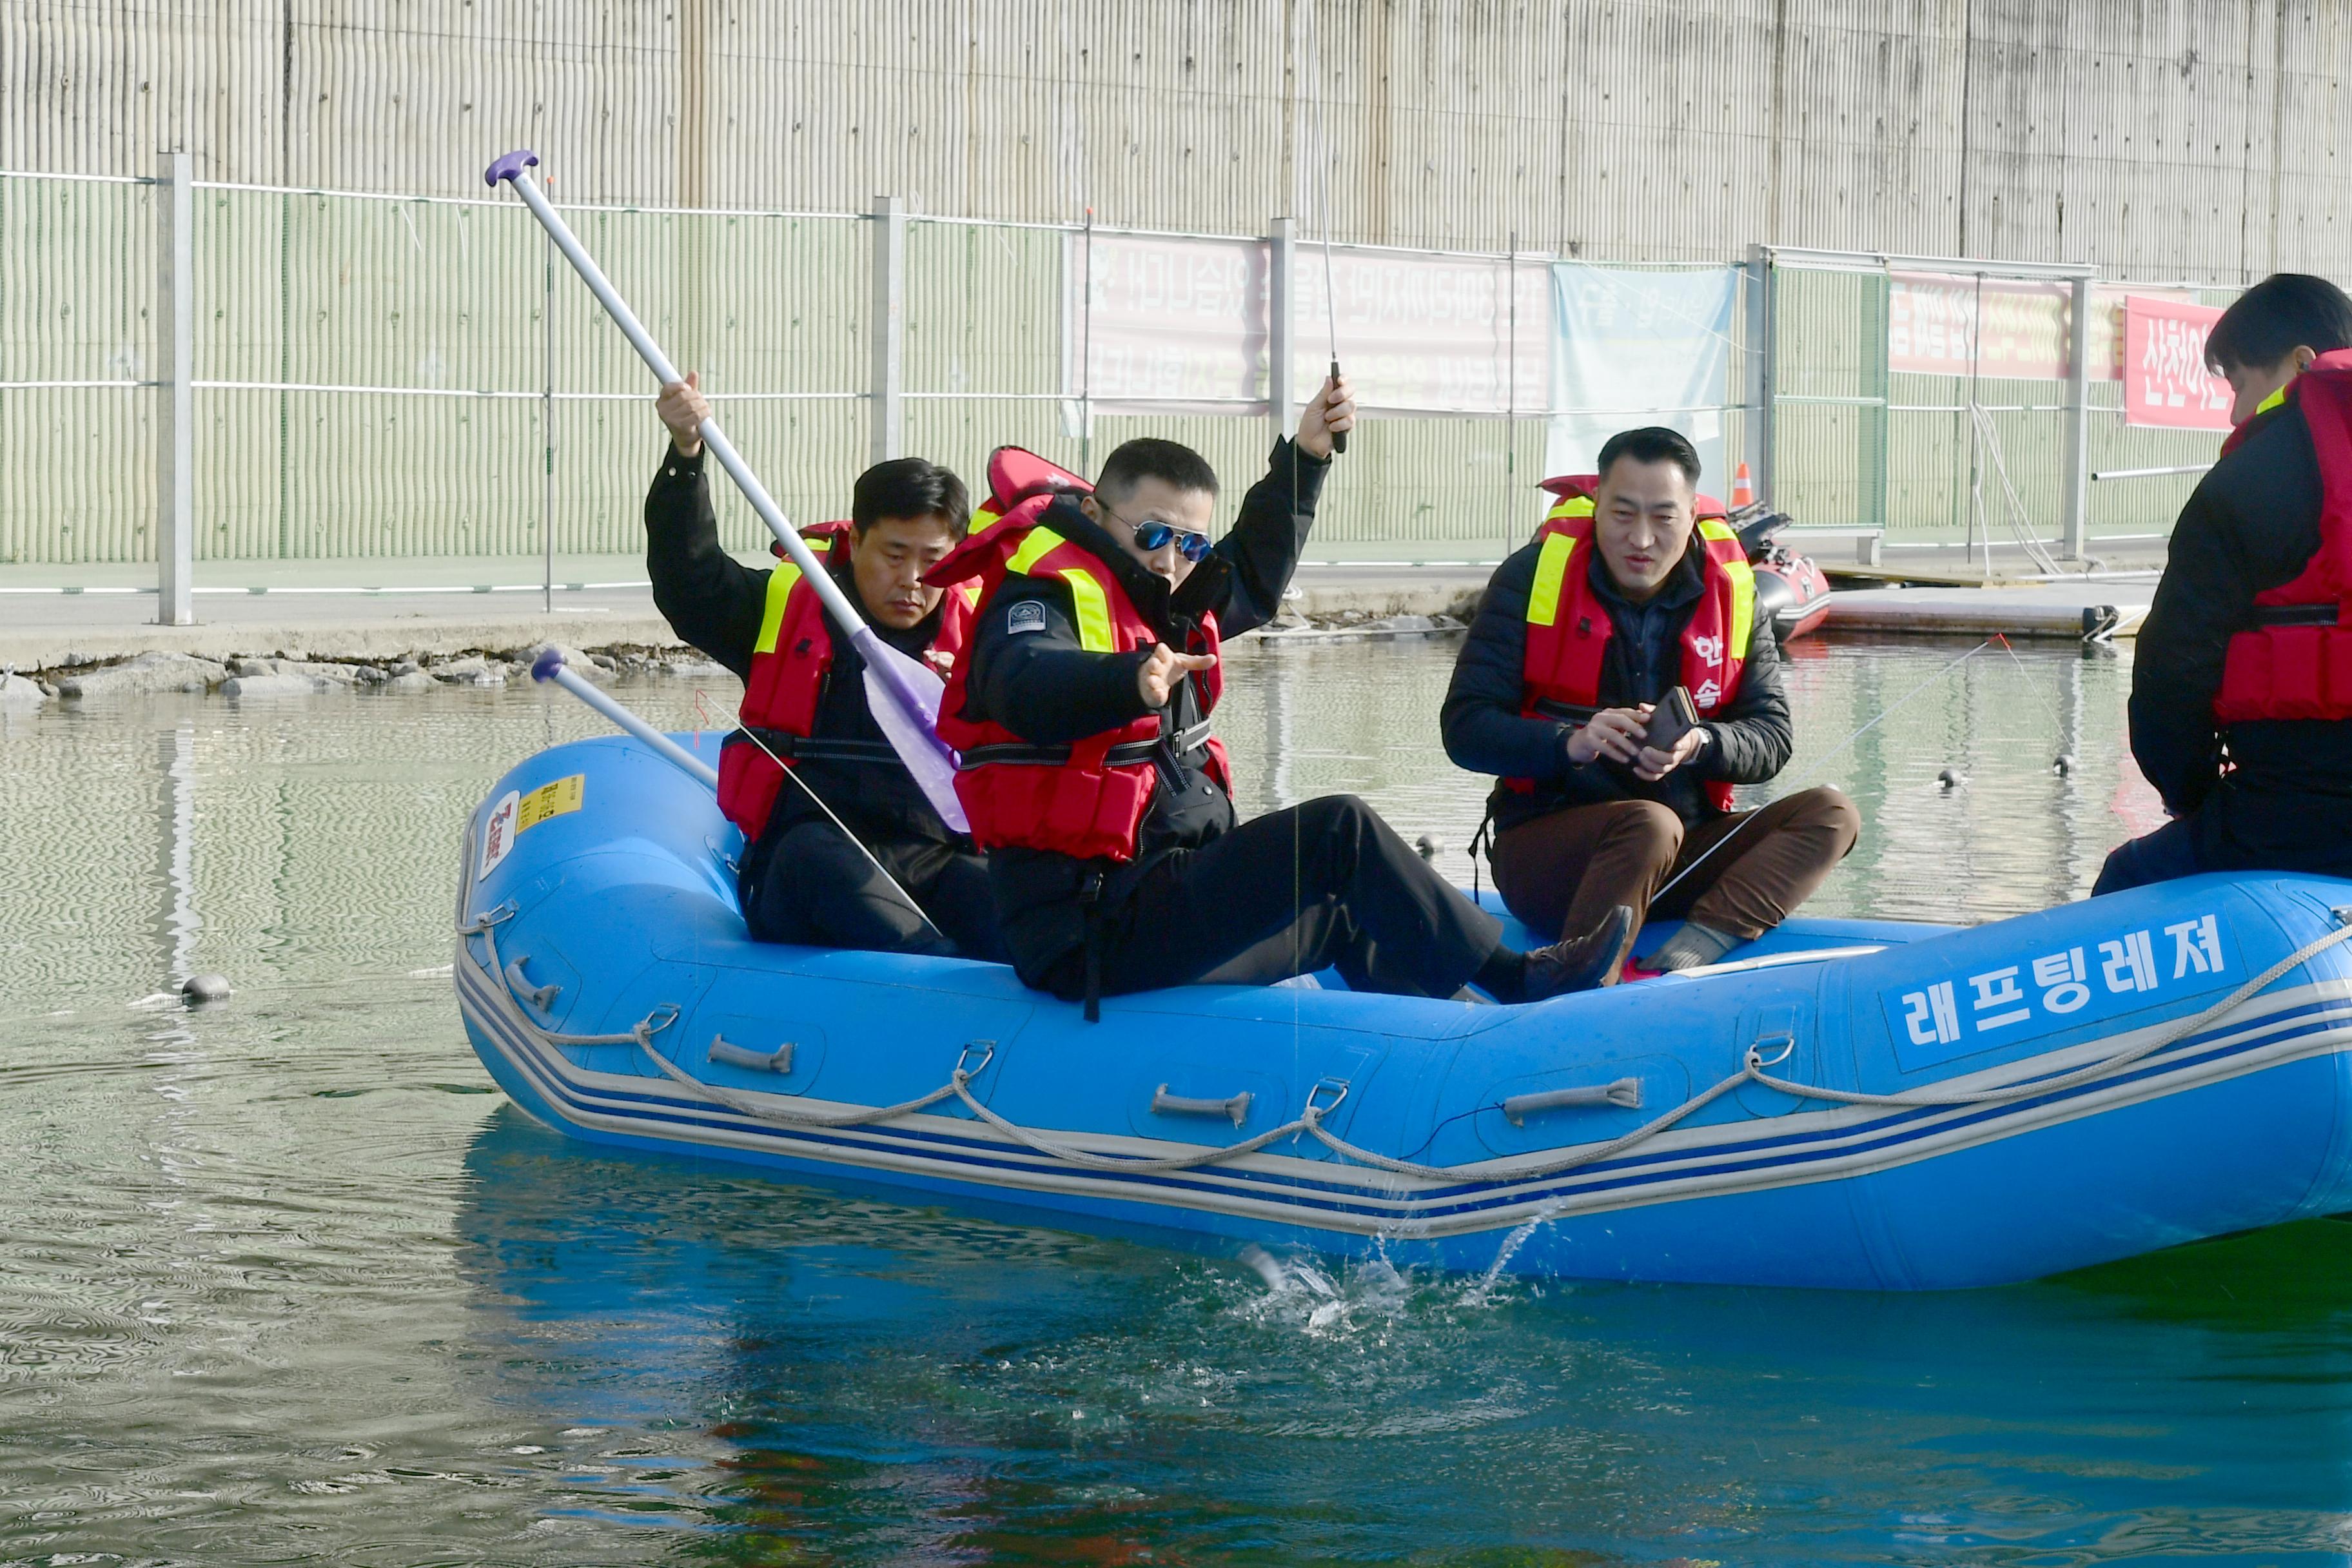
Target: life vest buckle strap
(2321, 615)
(1567, 712)
(785, 746)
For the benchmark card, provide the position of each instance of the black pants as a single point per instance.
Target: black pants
(1326, 883)
(810, 885)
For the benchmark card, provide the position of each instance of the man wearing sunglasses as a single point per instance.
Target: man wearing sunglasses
(1081, 713)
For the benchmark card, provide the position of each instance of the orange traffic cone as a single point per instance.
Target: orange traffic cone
(1743, 491)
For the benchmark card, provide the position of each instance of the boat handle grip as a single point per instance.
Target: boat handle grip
(1166, 1104)
(1625, 1094)
(540, 996)
(779, 1061)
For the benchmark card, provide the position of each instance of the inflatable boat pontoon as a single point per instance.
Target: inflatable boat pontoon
(1854, 1104)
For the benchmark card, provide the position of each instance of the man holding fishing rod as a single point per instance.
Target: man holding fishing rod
(810, 767)
(1082, 712)
(1619, 680)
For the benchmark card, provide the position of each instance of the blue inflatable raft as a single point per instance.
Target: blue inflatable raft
(1845, 1104)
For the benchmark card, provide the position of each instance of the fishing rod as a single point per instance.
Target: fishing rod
(1323, 218)
(903, 694)
(549, 666)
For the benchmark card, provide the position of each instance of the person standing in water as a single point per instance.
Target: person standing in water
(2241, 673)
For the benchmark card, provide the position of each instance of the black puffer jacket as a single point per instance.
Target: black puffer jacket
(2276, 793)
(1486, 734)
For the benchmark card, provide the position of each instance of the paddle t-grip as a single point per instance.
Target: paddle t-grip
(510, 165)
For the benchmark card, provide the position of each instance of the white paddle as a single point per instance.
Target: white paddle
(904, 693)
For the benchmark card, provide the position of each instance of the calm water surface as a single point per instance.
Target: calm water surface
(288, 1281)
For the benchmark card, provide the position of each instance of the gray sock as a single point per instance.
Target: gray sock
(1691, 946)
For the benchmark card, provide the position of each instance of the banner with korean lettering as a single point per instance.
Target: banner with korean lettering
(2166, 383)
(1945, 323)
(1157, 321)
(1635, 346)
(2095, 978)
(1424, 333)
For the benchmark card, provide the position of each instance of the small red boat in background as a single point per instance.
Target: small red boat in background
(1789, 587)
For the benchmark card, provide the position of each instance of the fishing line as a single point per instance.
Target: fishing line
(1821, 765)
(1323, 161)
(871, 858)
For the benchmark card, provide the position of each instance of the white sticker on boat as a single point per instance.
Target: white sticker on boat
(2078, 984)
(499, 833)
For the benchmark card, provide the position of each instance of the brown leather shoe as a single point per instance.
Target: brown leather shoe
(1581, 963)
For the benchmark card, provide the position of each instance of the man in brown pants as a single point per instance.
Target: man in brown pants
(1635, 586)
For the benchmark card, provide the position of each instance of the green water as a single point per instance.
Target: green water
(286, 1280)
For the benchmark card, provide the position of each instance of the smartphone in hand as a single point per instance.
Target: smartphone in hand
(1674, 716)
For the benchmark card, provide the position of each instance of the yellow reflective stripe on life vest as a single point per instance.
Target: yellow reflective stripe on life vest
(780, 581)
(2275, 399)
(1093, 607)
(1032, 550)
(1551, 575)
(1743, 584)
(1087, 600)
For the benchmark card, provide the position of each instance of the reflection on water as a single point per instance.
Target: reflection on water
(285, 1280)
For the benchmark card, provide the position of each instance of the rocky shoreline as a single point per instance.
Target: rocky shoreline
(290, 672)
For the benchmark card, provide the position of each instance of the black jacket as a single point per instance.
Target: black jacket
(1484, 733)
(1040, 683)
(715, 602)
(2275, 792)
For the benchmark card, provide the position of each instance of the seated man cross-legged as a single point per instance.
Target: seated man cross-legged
(1092, 780)
(1627, 594)
(809, 751)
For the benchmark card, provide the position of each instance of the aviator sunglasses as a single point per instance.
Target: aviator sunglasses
(1152, 535)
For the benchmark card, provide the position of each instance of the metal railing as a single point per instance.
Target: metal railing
(194, 375)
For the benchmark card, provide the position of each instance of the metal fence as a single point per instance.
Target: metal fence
(1980, 456)
(368, 380)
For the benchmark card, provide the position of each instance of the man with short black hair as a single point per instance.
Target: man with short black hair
(1092, 779)
(809, 760)
(1635, 588)
(2241, 673)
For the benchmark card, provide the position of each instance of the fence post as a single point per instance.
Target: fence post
(1763, 369)
(2076, 515)
(887, 325)
(1281, 324)
(176, 415)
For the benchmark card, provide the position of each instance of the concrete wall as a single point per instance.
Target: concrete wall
(2201, 139)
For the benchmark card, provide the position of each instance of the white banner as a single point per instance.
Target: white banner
(1160, 323)
(1636, 347)
(1424, 333)
(1154, 322)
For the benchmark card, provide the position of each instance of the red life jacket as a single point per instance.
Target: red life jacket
(790, 663)
(1087, 799)
(2297, 661)
(1568, 627)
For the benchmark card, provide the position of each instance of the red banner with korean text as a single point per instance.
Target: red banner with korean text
(2166, 383)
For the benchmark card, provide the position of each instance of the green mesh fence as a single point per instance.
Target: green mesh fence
(382, 379)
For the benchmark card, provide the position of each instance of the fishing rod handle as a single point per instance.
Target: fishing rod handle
(1339, 438)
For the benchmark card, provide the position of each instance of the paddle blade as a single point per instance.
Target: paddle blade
(904, 695)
